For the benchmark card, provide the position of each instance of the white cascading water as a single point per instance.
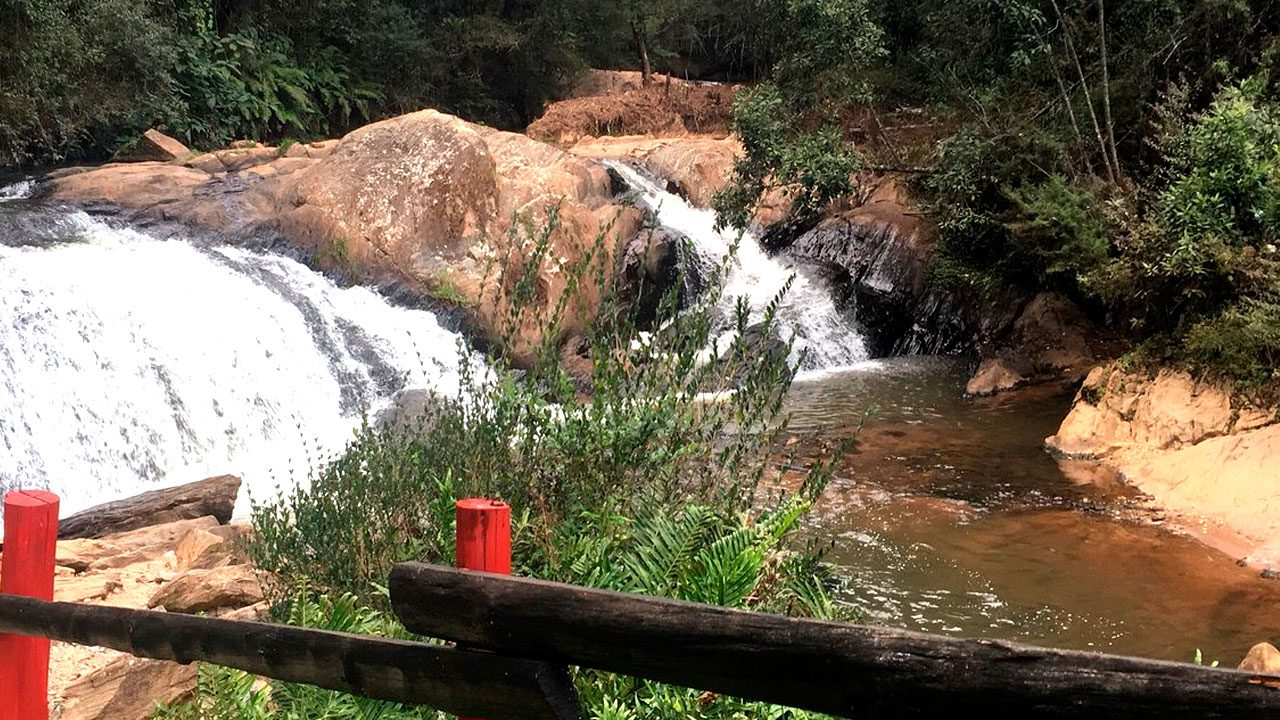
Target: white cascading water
(129, 363)
(827, 337)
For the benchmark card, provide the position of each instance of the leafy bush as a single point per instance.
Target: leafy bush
(812, 166)
(1008, 215)
(79, 76)
(786, 125)
(1198, 270)
(642, 437)
(250, 85)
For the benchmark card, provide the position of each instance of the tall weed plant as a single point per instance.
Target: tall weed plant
(633, 459)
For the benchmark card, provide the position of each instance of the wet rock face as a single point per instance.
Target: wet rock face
(650, 265)
(882, 253)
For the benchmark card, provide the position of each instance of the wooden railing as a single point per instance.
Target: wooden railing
(518, 636)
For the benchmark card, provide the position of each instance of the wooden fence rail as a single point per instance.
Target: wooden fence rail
(458, 681)
(837, 668)
(517, 636)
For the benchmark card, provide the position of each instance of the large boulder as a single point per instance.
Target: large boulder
(1201, 452)
(425, 203)
(1116, 409)
(696, 168)
(450, 207)
(127, 688)
(214, 496)
(1052, 339)
(882, 251)
(203, 590)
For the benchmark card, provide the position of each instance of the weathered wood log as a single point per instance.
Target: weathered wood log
(842, 669)
(458, 681)
(214, 496)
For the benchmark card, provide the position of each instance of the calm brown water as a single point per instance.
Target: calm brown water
(949, 517)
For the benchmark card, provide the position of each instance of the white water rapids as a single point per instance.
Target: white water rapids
(129, 363)
(829, 339)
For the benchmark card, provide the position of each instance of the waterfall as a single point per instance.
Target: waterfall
(828, 338)
(129, 363)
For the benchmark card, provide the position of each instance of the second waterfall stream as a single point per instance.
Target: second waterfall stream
(828, 337)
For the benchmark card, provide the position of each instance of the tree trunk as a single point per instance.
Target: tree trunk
(642, 47)
(1106, 88)
(1084, 85)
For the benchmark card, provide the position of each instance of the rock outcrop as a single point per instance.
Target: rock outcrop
(695, 168)
(1052, 339)
(215, 496)
(425, 201)
(127, 688)
(882, 251)
(1200, 451)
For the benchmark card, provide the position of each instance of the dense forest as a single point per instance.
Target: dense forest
(1125, 153)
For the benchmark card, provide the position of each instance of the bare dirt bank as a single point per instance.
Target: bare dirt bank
(1207, 457)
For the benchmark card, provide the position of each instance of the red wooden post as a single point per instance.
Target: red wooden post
(483, 538)
(484, 535)
(26, 568)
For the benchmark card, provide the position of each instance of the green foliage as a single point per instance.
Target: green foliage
(250, 85)
(1198, 269)
(789, 140)
(80, 75)
(642, 437)
(812, 166)
(1004, 219)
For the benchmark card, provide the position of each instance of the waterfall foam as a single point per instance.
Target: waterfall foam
(128, 363)
(829, 339)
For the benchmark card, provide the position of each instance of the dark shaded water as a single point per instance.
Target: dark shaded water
(949, 517)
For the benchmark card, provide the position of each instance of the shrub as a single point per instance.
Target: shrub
(1008, 214)
(642, 485)
(250, 84)
(80, 76)
(786, 124)
(1199, 271)
(642, 437)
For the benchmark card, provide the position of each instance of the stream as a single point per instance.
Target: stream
(949, 517)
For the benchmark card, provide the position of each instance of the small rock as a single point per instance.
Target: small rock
(194, 591)
(238, 159)
(993, 376)
(195, 545)
(1270, 574)
(152, 145)
(86, 587)
(207, 162)
(1262, 658)
(146, 544)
